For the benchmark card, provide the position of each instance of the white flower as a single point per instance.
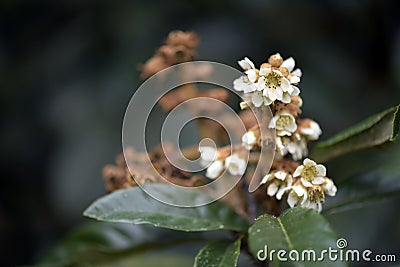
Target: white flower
(215, 169)
(274, 86)
(235, 165)
(284, 123)
(297, 195)
(329, 187)
(249, 140)
(311, 130)
(208, 154)
(246, 64)
(310, 173)
(306, 197)
(279, 181)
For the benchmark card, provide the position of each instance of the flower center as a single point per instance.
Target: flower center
(273, 80)
(309, 173)
(316, 194)
(282, 121)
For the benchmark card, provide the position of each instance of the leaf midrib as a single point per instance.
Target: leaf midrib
(290, 244)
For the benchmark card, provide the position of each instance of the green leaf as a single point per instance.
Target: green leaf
(296, 229)
(365, 178)
(360, 201)
(102, 242)
(376, 130)
(135, 206)
(218, 254)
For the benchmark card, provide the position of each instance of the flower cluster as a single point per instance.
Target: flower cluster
(275, 84)
(272, 81)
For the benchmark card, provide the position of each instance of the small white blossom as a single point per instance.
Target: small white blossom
(306, 197)
(278, 182)
(274, 86)
(294, 145)
(208, 154)
(329, 187)
(311, 130)
(310, 173)
(249, 140)
(284, 123)
(235, 165)
(215, 169)
(246, 64)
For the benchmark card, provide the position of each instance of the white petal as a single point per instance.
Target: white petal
(319, 207)
(292, 199)
(267, 101)
(267, 178)
(257, 99)
(215, 169)
(264, 71)
(261, 83)
(297, 72)
(281, 175)
(272, 122)
(309, 162)
(321, 170)
(284, 133)
(246, 64)
(318, 180)
(250, 88)
(291, 127)
(279, 93)
(285, 85)
(296, 92)
(249, 138)
(235, 165)
(286, 98)
(289, 64)
(252, 75)
(329, 188)
(294, 79)
(272, 189)
(272, 94)
(289, 180)
(208, 154)
(305, 182)
(305, 197)
(298, 171)
(278, 72)
(299, 190)
(280, 193)
(239, 84)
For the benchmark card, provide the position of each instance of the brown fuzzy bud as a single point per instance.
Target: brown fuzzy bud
(284, 71)
(275, 60)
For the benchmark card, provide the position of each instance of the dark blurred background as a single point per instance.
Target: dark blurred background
(69, 68)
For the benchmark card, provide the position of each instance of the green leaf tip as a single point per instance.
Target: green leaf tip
(373, 131)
